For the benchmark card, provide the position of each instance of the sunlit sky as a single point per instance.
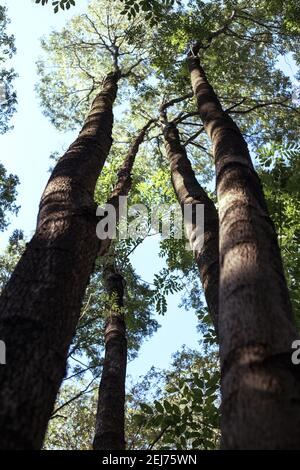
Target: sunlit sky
(26, 149)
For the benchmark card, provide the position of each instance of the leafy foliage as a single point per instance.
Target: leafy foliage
(8, 194)
(279, 166)
(10, 257)
(185, 416)
(72, 427)
(130, 7)
(165, 409)
(86, 50)
(58, 4)
(176, 408)
(8, 98)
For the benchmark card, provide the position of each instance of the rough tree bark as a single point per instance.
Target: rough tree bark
(189, 191)
(260, 386)
(123, 184)
(40, 305)
(109, 432)
(110, 419)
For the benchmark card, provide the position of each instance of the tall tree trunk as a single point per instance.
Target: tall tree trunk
(123, 184)
(189, 191)
(110, 419)
(40, 305)
(109, 433)
(260, 386)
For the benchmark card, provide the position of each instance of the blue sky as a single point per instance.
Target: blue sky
(26, 149)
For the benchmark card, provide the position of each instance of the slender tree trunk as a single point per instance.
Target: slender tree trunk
(109, 433)
(110, 419)
(260, 386)
(40, 305)
(189, 191)
(123, 184)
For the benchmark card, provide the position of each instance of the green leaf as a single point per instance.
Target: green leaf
(159, 406)
(146, 408)
(167, 406)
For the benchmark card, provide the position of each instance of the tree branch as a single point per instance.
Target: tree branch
(83, 392)
(166, 105)
(160, 435)
(195, 49)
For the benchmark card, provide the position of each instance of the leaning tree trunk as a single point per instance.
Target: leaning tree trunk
(110, 419)
(40, 305)
(109, 433)
(123, 184)
(189, 191)
(260, 386)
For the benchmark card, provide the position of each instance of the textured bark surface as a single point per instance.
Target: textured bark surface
(123, 184)
(189, 191)
(40, 305)
(260, 386)
(109, 432)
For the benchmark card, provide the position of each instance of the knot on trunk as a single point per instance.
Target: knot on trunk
(114, 283)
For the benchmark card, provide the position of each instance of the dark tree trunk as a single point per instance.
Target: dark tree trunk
(109, 433)
(123, 184)
(110, 420)
(189, 191)
(260, 386)
(40, 305)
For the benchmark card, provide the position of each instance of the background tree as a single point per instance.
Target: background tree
(165, 409)
(8, 183)
(279, 171)
(8, 194)
(109, 430)
(176, 408)
(73, 427)
(7, 94)
(11, 256)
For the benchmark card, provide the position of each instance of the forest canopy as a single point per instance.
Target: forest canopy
(176, 104)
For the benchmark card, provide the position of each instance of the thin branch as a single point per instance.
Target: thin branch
(250, 18)
(182, 117)
(235, 105)
(247, 38)
(83, 392)
(195, 144)
(166, 105)
(262, 105)
(86, 307)
(195, 49)
(77, 360)
(189, 123)
(160, 435)
(196, 134)
(129, 71)
(81, 67)
(83, 370)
